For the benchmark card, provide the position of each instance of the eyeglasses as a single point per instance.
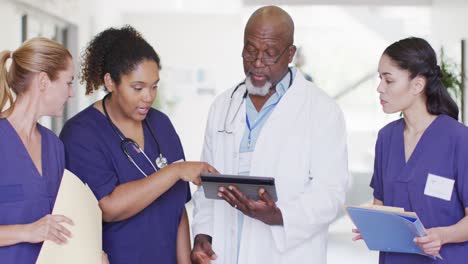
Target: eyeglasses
(266, 59)
(228, 122)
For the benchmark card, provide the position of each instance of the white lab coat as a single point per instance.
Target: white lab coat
(303, 146)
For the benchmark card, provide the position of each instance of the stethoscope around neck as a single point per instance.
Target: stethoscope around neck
(161, 161)
(225, 128)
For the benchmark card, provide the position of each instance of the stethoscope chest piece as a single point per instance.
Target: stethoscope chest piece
(161, 161)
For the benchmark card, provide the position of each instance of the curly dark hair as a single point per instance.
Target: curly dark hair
(114, 51)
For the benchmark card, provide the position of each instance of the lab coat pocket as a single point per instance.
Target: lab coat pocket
(11, 193)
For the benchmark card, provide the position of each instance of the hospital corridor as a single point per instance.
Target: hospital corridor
(307, 95)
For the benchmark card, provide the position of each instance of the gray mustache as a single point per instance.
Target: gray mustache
(249, 73)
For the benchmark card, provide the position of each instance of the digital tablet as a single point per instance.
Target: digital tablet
(249, 185)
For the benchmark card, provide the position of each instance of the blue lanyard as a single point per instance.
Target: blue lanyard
(259, 120)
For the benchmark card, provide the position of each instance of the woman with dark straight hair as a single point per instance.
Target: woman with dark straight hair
(416, 56)
(420, 159)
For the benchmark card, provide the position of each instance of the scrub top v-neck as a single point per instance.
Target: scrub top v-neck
(442, 151)
(94, 154)
(25, 194)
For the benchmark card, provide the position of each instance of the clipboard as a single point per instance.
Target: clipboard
(249, 185)
(76, 201)
(388, 229)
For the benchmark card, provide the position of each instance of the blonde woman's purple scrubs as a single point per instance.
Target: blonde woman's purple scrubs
(25, 195)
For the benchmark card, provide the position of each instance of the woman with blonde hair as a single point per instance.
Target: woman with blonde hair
(37, 83)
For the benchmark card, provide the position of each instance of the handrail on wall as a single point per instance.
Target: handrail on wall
(355, 85)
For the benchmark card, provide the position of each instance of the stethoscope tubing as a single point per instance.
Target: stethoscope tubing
(124, 139)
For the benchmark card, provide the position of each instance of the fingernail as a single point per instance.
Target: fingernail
(219, 194)
(262, 190)
(230, 188)
(221, 189)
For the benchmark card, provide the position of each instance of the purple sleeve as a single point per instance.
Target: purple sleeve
(376, 182)
(86, 158)
(189, 194)
(462, 161)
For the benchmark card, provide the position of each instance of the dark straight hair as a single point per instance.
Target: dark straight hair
(418, 57)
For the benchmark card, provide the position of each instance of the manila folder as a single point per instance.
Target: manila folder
(76, 201)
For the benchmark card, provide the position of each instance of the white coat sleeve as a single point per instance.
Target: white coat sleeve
(203, 208)
(323, 196)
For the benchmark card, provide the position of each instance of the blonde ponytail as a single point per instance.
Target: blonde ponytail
(5, 91)
(34, 56)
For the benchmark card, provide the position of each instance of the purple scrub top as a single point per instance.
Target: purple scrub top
(94, 154)
(443, 151)
(25, 195)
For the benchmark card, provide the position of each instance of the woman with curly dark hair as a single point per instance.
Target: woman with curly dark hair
(130, 154)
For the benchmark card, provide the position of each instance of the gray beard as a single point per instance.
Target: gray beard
(254, 90)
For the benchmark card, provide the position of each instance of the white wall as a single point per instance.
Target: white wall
(209, 42)
(11, 26)
(10, 21)
(80, 13)
(198, 51)
(450, 25)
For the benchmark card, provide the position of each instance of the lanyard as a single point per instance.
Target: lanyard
(259, 119)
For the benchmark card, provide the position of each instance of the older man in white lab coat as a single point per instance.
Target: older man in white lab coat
(274, 124)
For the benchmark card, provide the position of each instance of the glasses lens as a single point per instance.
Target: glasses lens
(266, 59)
(249, 56)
